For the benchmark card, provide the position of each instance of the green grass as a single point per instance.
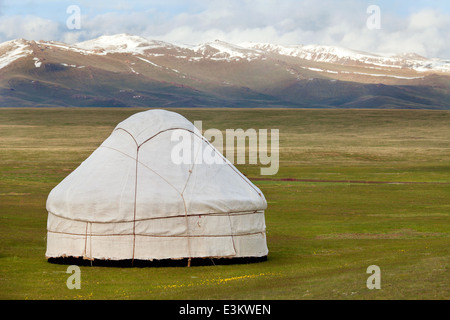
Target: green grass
(322, 236)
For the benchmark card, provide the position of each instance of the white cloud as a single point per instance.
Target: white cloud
(28, 27)
(329, 22)
(424, 32)
(340, 23)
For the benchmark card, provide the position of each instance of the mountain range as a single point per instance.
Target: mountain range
(130, 71)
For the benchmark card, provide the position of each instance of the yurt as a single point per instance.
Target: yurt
(133, 199)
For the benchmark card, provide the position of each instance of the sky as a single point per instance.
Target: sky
(395, 26)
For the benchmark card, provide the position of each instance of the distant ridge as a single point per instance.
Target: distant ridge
(125, 70)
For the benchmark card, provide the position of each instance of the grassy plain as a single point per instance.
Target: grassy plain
(325, 226)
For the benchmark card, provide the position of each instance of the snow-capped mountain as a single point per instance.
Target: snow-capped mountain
(343, 56)
(222, 51)
(219, 50)
(121, 43)
(130, 70)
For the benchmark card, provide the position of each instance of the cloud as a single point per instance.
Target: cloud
(28, 27)
(328, 22)
(424, 32)
(340, 23)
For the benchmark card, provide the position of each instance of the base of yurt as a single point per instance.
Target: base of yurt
(128, 263)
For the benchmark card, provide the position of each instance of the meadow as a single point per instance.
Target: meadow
(355, 188)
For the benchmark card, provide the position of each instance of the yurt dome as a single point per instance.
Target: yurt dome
(130, 200)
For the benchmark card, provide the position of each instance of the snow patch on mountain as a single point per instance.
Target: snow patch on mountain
(148, 61)
(121, 43)
(13, 50)
(343, 56)
(223, 51)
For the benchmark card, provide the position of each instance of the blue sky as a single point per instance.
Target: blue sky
(406, 26)
(52, 9)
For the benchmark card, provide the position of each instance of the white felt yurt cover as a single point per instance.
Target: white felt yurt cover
(130, 200)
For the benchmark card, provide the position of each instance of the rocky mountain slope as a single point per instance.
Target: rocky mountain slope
(130, 71)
